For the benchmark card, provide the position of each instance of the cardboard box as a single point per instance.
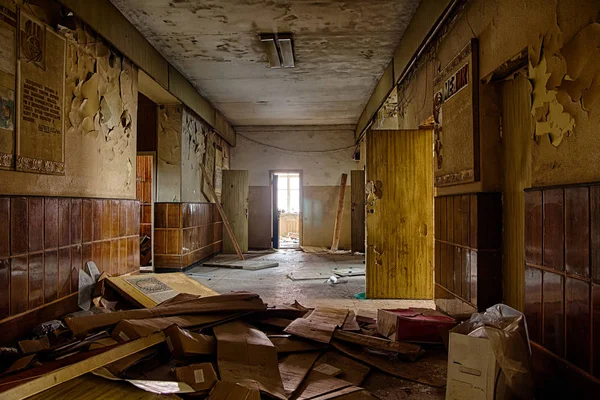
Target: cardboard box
(201, 377)
(414, 325)
(183, 343)
(472, 368)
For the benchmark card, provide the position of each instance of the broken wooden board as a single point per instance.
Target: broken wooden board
(346, 272)
(407, 350)
(430, 370)
(40, 383)
(245, 354)
(308, 276)
(91, 387)
(294, 368)
(250, 265)
(318, 384)
(149, 290)
(242, 301)
(353, 371)
(319, 325)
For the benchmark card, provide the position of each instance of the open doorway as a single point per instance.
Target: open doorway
(287, 209)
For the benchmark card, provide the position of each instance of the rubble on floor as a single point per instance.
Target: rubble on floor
(202, 344)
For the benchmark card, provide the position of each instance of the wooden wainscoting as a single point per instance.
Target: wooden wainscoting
(185, 233)
(562, 272)
(44, 241)
(468, 253)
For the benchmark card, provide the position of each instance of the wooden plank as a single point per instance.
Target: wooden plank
(400, 225)
(20, 325)
(211, 190)
(294, 368)
(337, 227)
(174, 284)
(408, 350)
(319, 325)
(91, 387)
(72, 371)
(430, 370)
(357, 222)
(234, 199)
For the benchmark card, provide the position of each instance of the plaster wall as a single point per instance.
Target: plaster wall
(100, 125)
(168, 176)
(322, 153)
(193, 144)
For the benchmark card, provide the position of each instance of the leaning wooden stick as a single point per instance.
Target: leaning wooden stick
(338, 217)
(222, 212)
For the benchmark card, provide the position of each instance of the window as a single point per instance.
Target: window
(288, 193)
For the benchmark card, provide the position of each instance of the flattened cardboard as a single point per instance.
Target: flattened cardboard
(319, 325)
(295, 345)
(245, 354)
(234, 391)
(317, 384)
(34, 346)
(353, 371)
(328, 369)
(158, 387)
(294, 368)
(184, 343)
(201, 377)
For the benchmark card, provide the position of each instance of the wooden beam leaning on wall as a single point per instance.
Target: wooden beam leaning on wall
(337, 227)
(213, 194)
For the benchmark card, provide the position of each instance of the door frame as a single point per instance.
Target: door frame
(301, 213)
(153, 194)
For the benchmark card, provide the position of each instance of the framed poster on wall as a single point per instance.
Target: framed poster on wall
(8, 63)
(456, 116)
(40, 97)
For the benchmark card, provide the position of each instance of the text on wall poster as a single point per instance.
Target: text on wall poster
(40, 98)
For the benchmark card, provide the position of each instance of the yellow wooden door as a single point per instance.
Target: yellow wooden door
(234, 198)
(399, 214)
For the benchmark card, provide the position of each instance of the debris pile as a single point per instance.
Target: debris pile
(227, 346)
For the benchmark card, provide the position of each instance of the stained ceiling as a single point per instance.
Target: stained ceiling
(341, 49)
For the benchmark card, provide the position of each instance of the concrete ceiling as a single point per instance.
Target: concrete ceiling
(341, 50)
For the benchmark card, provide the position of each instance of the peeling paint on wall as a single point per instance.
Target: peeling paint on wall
(169, 154)
(194, 132)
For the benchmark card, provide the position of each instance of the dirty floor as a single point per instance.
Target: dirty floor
(273, 285)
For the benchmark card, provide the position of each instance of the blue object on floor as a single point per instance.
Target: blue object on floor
(360, 296)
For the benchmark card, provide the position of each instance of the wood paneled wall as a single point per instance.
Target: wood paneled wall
(562, 272)
(144, 193)
(185, 233)
(44, 241)
(468, 252)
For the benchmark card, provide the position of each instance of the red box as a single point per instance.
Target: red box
(414, 325)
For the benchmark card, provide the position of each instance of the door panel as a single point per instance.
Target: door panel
(234, 199)
(357, 223)
(399, 214)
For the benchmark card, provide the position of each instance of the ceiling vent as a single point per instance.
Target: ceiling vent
(279, 49)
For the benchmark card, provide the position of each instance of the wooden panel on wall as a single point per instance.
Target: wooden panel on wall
(399, 227)
(516, 136)
(235, 205)
(561, 294)
(357, 199)
(468, 246)
(48, 249)
(185, 233)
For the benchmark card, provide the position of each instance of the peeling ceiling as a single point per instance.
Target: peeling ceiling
(341, 50)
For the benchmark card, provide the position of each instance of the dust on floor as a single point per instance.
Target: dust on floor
(275, 287)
